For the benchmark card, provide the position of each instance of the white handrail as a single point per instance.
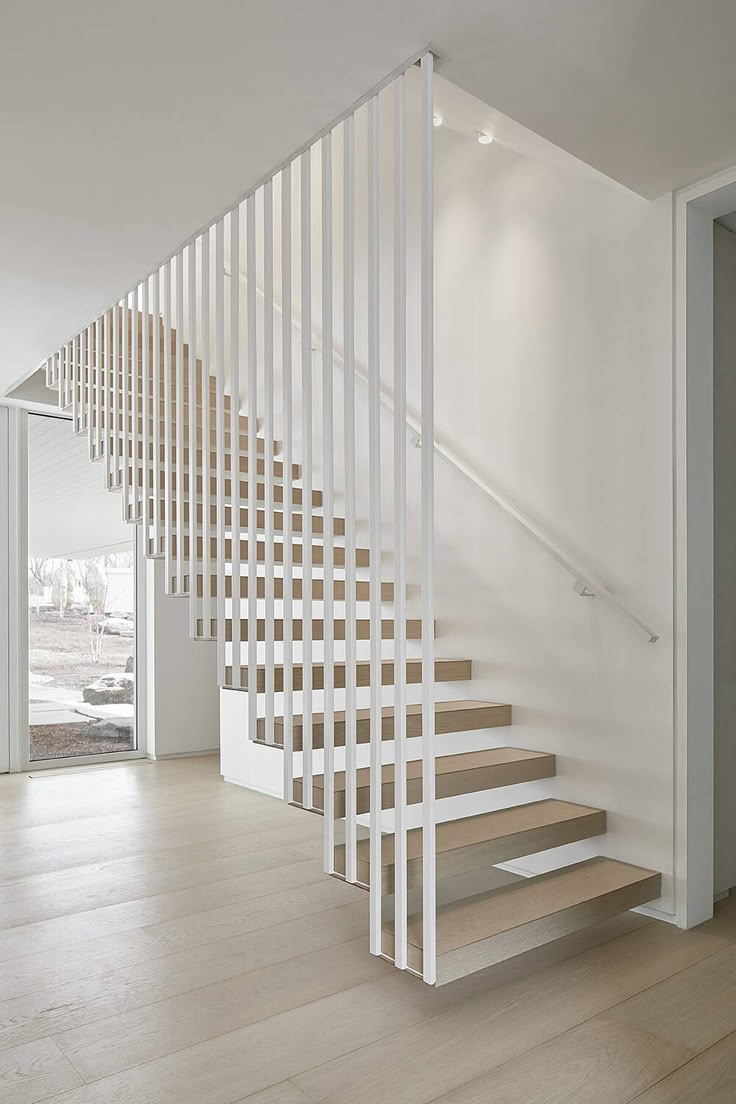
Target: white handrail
(585, 583)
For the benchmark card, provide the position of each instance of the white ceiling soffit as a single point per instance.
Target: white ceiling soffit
(70, 511)
(126, 127)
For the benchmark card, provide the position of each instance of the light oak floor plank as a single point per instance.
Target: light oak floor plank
(708, 1079)
(507, 1020)
(35, 1072)
(171, 940)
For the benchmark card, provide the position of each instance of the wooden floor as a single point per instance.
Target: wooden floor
(169, 939)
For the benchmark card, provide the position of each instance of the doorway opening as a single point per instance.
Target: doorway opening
(81, 604)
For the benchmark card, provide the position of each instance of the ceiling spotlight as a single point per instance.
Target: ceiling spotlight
(484, 139)
(437, 119)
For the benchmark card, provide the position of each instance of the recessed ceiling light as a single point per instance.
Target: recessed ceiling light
(484, 139)
(437, 119)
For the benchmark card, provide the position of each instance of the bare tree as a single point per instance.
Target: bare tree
(62, 583)
(94, 580)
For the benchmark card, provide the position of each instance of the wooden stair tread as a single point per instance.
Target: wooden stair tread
(462, 716)
(362, 628)
(481, 930)
(446, 670)
(489, 827)
(459, 773)
(444, 710)
(499, 910)
(444, 764)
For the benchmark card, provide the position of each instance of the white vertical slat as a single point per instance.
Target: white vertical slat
(180, 438)
(328, 538)
(107, 396)
(75, 383)
(399, 696)
(98, 377)
(157, 467)
(307, 573)
(116, 384)
(137, 491)
(374, 482)
(146, 422)
(130, 413)
(194, 408)
(252, 480)
(168, 434)
(49, 371)
(235, 607)
(268, 458)
(288, 429)
(351, 822)
(206, 421)
(220, 449)
(83, 369)
(429, 812)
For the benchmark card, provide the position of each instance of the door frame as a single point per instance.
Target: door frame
(14, 667)
(694, 211)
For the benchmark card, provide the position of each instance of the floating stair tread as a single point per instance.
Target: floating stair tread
(488, 915)
(445, 670)
(447, 764)
(452, 835)
(460, 773)
(447, 714)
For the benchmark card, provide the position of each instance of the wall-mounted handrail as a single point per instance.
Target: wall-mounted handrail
(584, 582)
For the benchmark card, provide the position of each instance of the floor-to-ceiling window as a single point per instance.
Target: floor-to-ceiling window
(81, 603)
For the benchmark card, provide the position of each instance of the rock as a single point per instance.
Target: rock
(110, 690)
(111, 729)
(130, 665)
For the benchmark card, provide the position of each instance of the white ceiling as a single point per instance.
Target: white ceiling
(125, 127)
(70, 511)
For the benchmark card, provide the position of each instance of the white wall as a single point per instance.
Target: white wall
(4, 592)
(554, 382)
(724, 490)
(181, 676)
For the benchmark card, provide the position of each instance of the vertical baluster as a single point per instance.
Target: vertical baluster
(74, 384)
(351, 822)
(399, 696)
(207, 422)
(328, 537)
(98, 390)
(107, 393)
(168, 434)
(146, 467)
(137, 489)
(130, 412)
(288, 429)
(251, 484)
(429, 879)
(220, 451)
(307, 573)
(194, 401)
(268, 450)
(83, 369)
(235, 608)
(179, 451)
(49, 372)
(116, 383)
(374, 482)
(157, 466)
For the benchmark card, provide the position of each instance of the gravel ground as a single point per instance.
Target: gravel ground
(61, 741)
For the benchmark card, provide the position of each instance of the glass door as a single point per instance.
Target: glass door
(81, 604)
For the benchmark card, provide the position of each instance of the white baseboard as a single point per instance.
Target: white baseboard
(257, 789)
(183, 754)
